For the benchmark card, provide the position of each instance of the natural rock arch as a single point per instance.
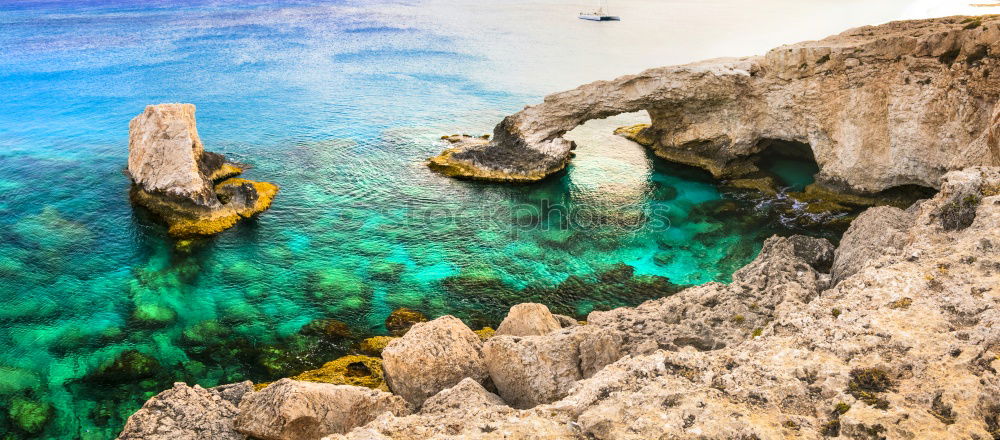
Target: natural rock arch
(881, 107)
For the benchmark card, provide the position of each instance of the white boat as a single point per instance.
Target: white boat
(601, 14)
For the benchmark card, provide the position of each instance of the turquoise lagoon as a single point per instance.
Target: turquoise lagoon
(338, 103)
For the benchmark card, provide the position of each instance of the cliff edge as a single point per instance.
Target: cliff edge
(880, 106)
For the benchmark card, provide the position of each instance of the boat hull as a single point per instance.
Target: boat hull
(593, 17)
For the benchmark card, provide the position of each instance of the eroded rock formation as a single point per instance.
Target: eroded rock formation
(194, 191)
(881, 107)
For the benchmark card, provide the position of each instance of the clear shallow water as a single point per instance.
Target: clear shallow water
(339, 103)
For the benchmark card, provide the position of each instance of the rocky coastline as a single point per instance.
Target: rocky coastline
(195, 192)
(878, 107)
(890, 334)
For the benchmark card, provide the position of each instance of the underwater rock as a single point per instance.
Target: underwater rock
(192, 190)
(13, 380)
(402, 319)
(432, 356)
(183, 412)
(327, 329)
(388, 272)
(153, 315)
(528, 319)
(296, 410)
(30, 415)
(129, 366)
(876, 104)
(336, 284)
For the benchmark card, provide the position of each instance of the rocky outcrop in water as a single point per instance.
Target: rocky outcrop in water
(194, 191)
(880, 106)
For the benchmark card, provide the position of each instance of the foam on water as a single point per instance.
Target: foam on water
(339, 103)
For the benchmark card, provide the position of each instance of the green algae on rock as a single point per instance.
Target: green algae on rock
(363, 371)
(400, 320)
(30, 415)
(175, 178)
(374, 345)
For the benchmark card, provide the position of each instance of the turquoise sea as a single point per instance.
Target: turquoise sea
(339, 103)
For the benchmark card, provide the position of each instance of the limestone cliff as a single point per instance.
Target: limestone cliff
(880, 106)
(194, 191)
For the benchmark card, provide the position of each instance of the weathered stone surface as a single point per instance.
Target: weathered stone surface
(432, 356)
(714, 315)
(295, 410)
(878, 232)
(467, 394)
(233, 392)
(528, 319)
(883, 106)
(531, 370)
(191, 189)
(565, 321)
(185, 413)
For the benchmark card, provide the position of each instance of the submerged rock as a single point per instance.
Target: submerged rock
(402, 319)
(296, 410)
(192, 190)
(130, 365)
(30, 415)
(877, 105)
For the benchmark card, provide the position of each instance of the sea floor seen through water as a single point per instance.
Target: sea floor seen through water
(339, 103)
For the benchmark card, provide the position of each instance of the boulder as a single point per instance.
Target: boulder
(194, 191)
(528, 319)
(233, 392)
(433, 356)
(466, 394)
(295, 410)
(184, 413)
(531, 370)
(876, 233)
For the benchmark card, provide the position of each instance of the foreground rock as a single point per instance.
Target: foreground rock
(528, 319)
(532, 370)
(884, 106)
(433, 356)
(295, 410)
(194, 191)
(188, 413)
